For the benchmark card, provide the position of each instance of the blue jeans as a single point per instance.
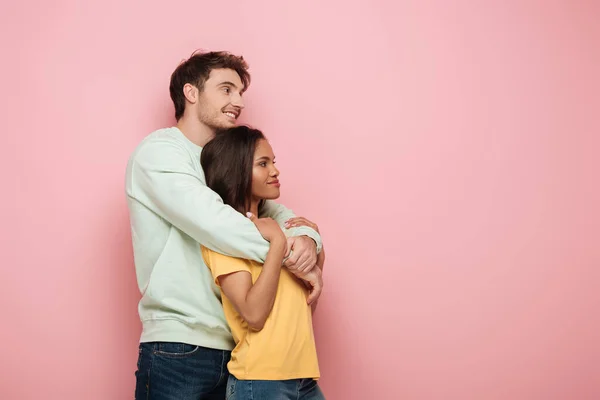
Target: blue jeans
(179, 371)
(293, 389)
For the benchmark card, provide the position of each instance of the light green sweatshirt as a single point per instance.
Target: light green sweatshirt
(172, 212)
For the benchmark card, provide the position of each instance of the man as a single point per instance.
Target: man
(185, 343)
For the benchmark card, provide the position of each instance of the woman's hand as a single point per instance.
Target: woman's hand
(301, 221)
(268, 228)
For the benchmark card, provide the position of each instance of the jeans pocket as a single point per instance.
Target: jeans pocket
(230, 392)
(175, 350)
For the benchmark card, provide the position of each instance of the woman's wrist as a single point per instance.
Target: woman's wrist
(278, 246)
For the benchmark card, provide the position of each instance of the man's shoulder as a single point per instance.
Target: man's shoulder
(159, 140)
(163, 135)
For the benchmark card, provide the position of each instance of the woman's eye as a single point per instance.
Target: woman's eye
(263, 164)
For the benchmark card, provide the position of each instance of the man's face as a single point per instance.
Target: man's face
(220, 103)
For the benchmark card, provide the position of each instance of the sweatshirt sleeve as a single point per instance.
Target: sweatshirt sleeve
(164, 180)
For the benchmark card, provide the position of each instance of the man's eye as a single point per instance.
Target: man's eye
(227, 90)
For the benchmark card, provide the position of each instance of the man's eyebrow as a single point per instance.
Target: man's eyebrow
(227, 83)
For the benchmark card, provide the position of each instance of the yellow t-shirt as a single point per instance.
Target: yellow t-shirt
(285, 347)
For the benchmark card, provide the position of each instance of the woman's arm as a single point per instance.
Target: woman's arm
(255, 302)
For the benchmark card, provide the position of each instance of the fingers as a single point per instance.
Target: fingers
(302, 265)
(313, 258)
(299, 263)
(300, 221)
(314, 294)
(309, 262)
(305, 265)
(292, 261)
(290, 264)
(304, 255)
(290, 244)
(251, 216)
(306, 260)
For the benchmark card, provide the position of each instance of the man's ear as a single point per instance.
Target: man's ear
(191, 93)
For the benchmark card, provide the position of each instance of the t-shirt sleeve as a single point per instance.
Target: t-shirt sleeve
(220, 264)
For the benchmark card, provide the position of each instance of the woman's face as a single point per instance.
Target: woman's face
(265, 182)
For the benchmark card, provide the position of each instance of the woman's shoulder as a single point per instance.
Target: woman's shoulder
(212, 258)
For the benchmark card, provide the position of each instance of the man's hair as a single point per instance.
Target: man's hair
(196, 70)
(227, 162)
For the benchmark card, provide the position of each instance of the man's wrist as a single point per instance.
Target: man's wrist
(313, 241)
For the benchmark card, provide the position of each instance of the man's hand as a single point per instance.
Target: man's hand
(303, 257)
(313, 280)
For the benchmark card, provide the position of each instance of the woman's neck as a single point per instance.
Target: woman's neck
(254, 206)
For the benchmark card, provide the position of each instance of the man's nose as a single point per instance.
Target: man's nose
(237, 101)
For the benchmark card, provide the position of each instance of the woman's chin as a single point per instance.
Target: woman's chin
(270, 194)
(273, 196)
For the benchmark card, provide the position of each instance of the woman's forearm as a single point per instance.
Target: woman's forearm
(261, 297)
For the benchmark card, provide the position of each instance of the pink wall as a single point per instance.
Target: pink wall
(447, 153)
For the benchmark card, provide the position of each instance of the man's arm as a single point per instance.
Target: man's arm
(162, 178)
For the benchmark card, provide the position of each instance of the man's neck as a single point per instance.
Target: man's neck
(195, 131)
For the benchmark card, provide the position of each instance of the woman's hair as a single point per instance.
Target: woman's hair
(227, 162)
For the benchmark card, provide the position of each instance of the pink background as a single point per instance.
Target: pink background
(447, 151)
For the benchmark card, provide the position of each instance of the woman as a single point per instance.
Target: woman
(265, 305)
